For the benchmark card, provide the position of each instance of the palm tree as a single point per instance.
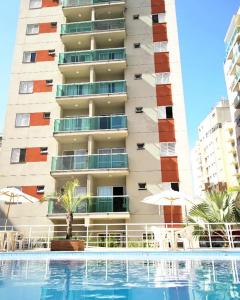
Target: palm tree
(69, 201)
(217, 207)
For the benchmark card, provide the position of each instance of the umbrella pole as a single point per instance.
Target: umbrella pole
(8, 212)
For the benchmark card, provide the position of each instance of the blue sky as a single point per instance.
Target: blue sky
(202, 27)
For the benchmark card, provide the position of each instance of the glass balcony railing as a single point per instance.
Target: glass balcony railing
(93, 26)
(91, 56)
(230, 44)
(107, 204)
(235, 80)
(89, 162)
(95, 88)
(75, 3)
(90, 123)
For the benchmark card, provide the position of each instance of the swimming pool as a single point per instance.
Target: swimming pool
(133, 276)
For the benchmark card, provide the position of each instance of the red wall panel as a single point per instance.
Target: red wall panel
(50, 3)
(173, 214)
(161, 62)
(34, 155)
(158, 6)
(164, 94)
(40, 86)
(37, 119)
(47, 28)
(160, 32)
(32, 191)
(43, 55)
(169, 168)
(166, 130)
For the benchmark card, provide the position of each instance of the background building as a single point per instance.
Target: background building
(215, 153)
(232, 73)
(96, 94)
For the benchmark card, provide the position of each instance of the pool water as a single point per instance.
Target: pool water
(133, 280)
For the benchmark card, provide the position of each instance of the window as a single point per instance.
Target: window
(158, 18)
(29, 57)
(40, 189)
(137, 45)
(135, 17)
(161, 46)
(22, 120)
(167, 149)
(49, 82)
(26, 87)
(44, 150)
(54, 24)
(142, 186)
(165, 112)
(138, 76)
(46, 115)
(32, 29)
(163, 78)
(139, 110)
(175, 186)
(140, 146)
(18, 155)
(35, 4)
(52, 52)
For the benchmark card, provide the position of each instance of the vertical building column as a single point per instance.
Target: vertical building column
(89, 185)
(91, 108)
(93, 15)
(92, 75)
(93, 43)
(90, 145)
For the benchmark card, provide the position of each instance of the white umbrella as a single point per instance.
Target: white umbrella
(15, 196)
(169, 198)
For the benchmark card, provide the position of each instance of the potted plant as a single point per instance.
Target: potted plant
(69, 201)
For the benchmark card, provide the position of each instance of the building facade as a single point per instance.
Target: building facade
(232, 73)
(215, 155)
(96, 94)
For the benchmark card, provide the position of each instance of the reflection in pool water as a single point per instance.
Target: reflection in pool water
(133, 280)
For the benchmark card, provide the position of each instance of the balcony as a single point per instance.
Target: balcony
(72, 8)
(67, 129)
(235, 84)
(76, 3)
(103, 30)
(235, 61)
(90, 164)
(94, 205)
(236, 102)
(234, 38)
(71, 63)
(70, 94)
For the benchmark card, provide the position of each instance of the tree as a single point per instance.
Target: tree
(217, 207)
(69, 201)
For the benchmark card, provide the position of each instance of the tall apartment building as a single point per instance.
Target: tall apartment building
(216, 163)
(96, 94)
(232, 73)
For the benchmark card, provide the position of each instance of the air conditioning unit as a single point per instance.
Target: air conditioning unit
(44, 150)
(40, 189)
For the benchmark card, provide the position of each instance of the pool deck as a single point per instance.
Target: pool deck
(126, 254)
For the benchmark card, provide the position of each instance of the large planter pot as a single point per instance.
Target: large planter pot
(67, 245)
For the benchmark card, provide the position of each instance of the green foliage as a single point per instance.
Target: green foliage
(217, 207)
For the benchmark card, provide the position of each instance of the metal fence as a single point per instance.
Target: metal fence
(160, 236)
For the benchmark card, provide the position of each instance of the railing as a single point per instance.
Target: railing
(89, 162)
(90, 123)
(93, 26)
(236, 102)
(230, 44)
(75, 3)
(95, 88)
(92, 56)
(235, 58)
(135, 235)
(113, 204)
(236, 80)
